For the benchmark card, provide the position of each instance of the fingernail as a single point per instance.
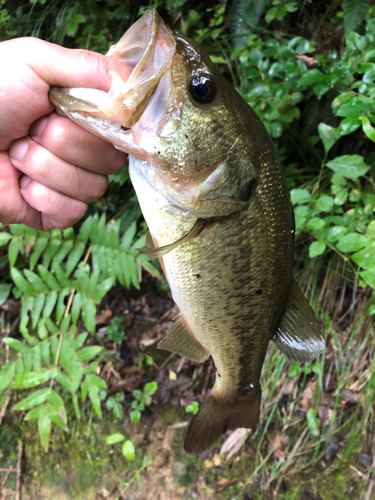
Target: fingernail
(25, 179)
(37, 127)
(18, 150)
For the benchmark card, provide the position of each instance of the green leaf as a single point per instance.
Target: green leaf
(4, 292)
(16, 344)
(334, 233)
(36, 311)
(32, 379)
(79, 340)
(48, 278)
(44, 427)
(35, 398)
(58, 404)
(36, 281)
(324, 203)
(365, 258)
(74, 257)
(313, 422)
(135, 416)
(21, 283)
(4, 238)
(35, 412)
(348, 125)
(6, 375)
(103, 288)
(355, 107)
(88, 313)
(76, 406)
(351, 242)
(316, 248)
(351, 166)
(13, 250)
(115, 438)
(88, 353)
(150, 388)
(368, 129)
(128, 450)
(315, 223)
(328, 135)
(38, 249)
(310, 77)
(95, 399)
(320, 89)
(300, 196)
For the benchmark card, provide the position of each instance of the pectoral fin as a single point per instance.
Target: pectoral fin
(299, 335)
(181, 340)
(156, 253)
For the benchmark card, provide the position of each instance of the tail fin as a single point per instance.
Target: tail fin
(219, 414)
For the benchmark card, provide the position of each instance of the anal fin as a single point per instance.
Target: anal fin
(182, 341)
(299, 335)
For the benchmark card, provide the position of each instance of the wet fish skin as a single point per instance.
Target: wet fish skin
(215, 162)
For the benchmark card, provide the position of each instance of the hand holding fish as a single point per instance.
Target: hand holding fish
(50, 168)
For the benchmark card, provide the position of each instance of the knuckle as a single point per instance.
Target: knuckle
(38, 160)
(54, 135)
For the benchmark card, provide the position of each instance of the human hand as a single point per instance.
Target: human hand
(50, 168)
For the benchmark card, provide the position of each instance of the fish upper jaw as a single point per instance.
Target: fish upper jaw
(147, 48)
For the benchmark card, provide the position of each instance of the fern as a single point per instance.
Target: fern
(354, 13)
(61, 277)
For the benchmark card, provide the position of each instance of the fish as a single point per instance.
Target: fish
(213, 193)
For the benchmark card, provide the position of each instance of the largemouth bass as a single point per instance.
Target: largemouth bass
(213, 194)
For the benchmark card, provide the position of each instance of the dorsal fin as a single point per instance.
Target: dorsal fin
(299, 335)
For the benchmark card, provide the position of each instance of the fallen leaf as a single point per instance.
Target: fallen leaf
(224, 483)
(306, 395)
(234, 442)
(310, 61)
(103, 317)
(278, 444)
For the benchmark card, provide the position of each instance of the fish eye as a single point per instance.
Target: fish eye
(202, 89)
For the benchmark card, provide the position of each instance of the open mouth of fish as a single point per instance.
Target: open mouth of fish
(145, 115)
(135, 104)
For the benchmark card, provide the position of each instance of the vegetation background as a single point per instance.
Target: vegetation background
(98, 410)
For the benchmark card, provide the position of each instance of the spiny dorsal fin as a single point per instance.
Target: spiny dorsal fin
(181, 340)
(156, 253)
(299, 335)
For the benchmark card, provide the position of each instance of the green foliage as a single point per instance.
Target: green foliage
(141, 400)
(116, 330)
(354, 13)
(279, 77)
(192, 408)
(60, 278)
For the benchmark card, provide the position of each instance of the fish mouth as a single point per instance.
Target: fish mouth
(147, 48)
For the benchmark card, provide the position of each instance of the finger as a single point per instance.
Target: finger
(64, 67)
(46, 168)
(72, 143)
(14, 209)
(56, 209)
